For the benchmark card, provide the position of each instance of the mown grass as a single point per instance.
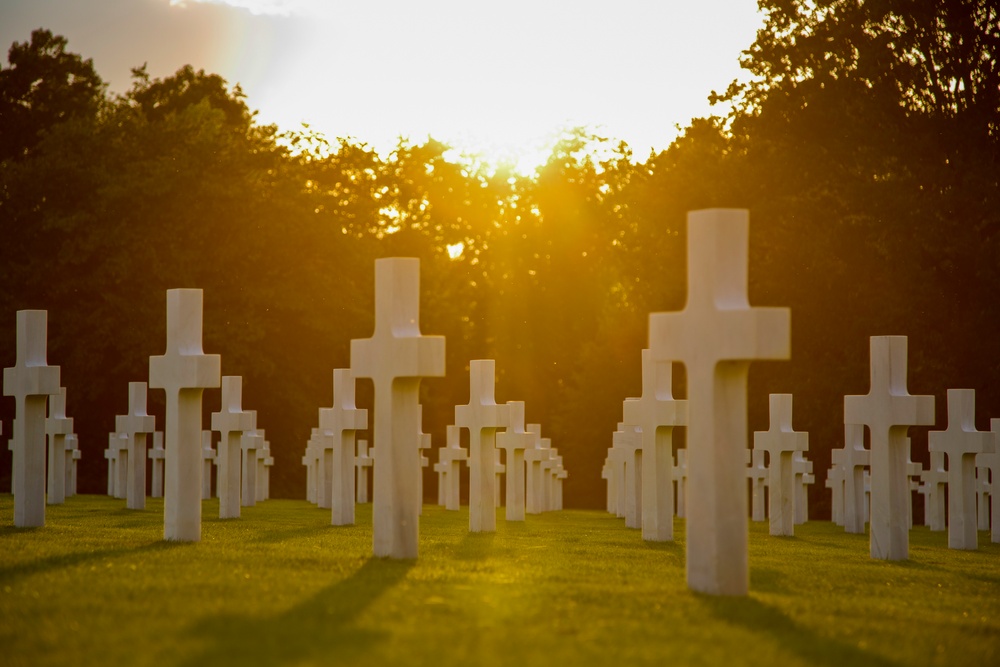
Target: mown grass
(98, 586)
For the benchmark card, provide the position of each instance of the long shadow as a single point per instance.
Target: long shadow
(475, 546)
(320, 629)
(760, 618)
(73, 559)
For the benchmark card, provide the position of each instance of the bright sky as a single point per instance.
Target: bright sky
(494, 77)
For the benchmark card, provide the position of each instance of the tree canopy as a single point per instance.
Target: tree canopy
(863, 140)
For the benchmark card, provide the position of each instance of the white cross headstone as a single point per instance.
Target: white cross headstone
(118, 441)
(251, 443)
(547, 465)
(561, 477)
(681, 474)
(264, 472)
(608, 475)
(617, 459)
(533, 457)
(30, 381)
(341, 422)
(499, 469)
(425, 444)
(363, 462)
(656, 413)
(781, 442)
(111, 454)
(58, 428)
(450, 458)
(933, 486)
(311, 460)
(231, 422)
(441, 468)
(757, 472)
(157, 454)
(515, 441)
(134, 427)
(716, 337)
(208, 456)
(482, 417)
(72, 456)
(961, 442)
(888, 410)
(855, 458)
(184, 372)
(913, 471)
(991, 461)
(396, 357)
(802, 467)
(628, 439)
(835, 482)
(983, 492)
(868, 495)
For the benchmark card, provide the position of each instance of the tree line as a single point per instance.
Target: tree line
(863, 140)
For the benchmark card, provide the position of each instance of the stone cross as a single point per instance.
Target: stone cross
(311, 460)
(547, 482)
(396, 357)
(184, 372)
(450, 458)
(363, 462)
(913, 471)
(134, 426)
(757, 472)
(656, 413)
(780, 441)
(681, 475)
(835, 482)
(855, 457)
(482, 417)
(561, 475)
(157, 454)
(608, 475)
(961, 442)
(868, 494)
(983, 492)
(30, 381)
(58, 428)
(934, 489)
(533, 457)
(250, 443)
(441, 469)
(515, 441)
(616, 462)
(73, 455)
(425, 444)
(716, 337)
(118, 442)
(208, 455)
(111, 454)
(499, 469)
(991, 461)
(231, 422)
(888, 410)
(340, 423)
(802, 468)
(264, 464)
(628, 439)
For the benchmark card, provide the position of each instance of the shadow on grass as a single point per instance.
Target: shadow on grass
(768, 580)
(321, 629)
(760, 618)
(73, 559)
(475, 546)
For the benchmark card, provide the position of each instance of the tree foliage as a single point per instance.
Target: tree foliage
(864, 142)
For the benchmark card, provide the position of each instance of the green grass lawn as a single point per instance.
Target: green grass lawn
(98, 586)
